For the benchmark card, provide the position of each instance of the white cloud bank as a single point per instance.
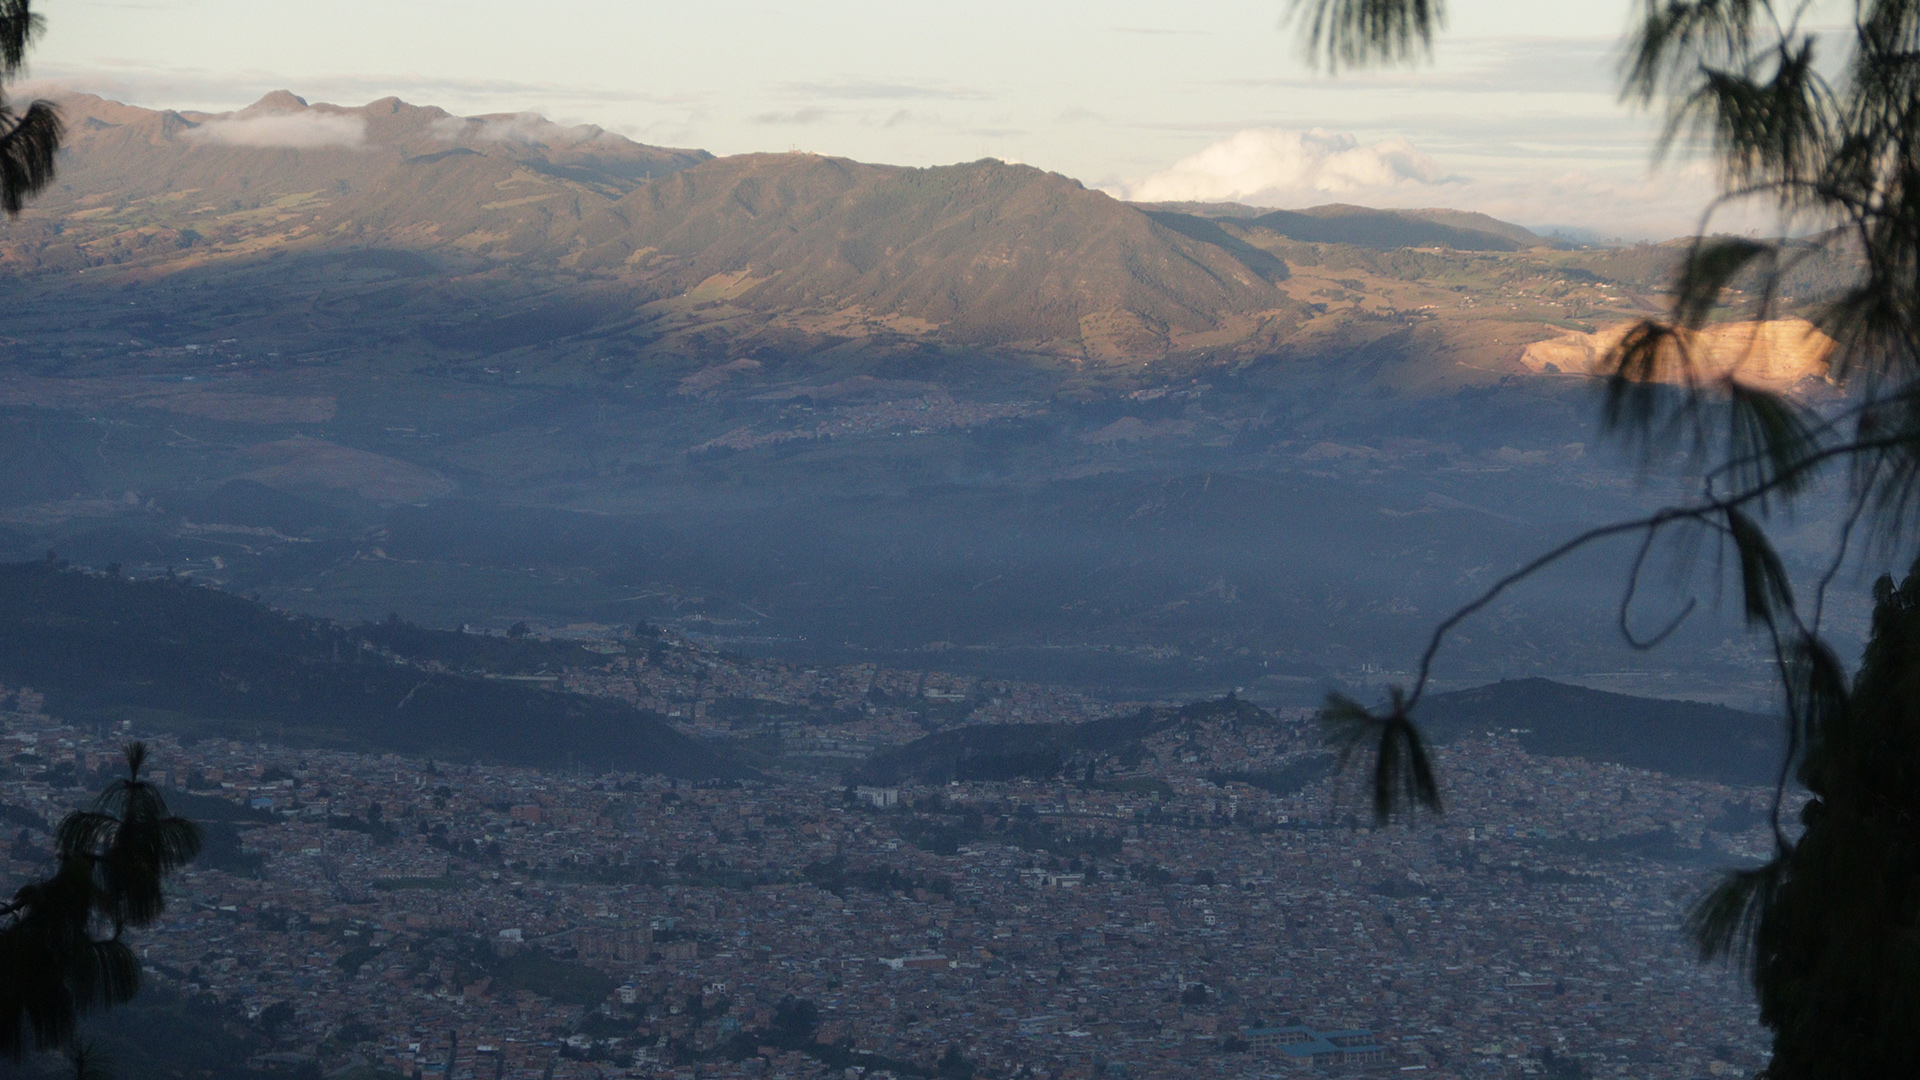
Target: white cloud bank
(1294, 169)
(530, 129)
(286, 130)
(1267, 164)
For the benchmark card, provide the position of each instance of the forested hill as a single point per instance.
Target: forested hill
(1043, 751)
(1680, 738)
(172, 655)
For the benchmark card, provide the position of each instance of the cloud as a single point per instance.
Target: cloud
(1272, 163)
(524, 128)
(1631, 204)
(855, 90)
(1488, 65)
(138, 82)
(287, 130)
(1617, 197)
(809, 115)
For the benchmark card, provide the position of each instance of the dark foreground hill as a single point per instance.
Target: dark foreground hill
(176, 656)
(163, 1033)
(1680, 738)
(989, 752)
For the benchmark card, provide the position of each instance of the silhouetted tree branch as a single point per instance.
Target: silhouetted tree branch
(62, 945)
(29, 140)
(1825, 927)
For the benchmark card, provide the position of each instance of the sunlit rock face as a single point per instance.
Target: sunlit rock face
(1778, 354)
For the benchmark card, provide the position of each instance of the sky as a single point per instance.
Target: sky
(1207, 100)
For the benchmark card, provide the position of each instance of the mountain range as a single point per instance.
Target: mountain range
(1340, 223)
(494, 369)
(676, 254)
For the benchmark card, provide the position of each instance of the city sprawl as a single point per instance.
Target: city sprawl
(1137, 918)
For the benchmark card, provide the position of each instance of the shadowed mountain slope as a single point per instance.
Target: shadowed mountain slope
(199, 661)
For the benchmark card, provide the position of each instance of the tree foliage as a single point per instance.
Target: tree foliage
(62, 942)
(29, 138)
(1827, 923)
(1822, 127)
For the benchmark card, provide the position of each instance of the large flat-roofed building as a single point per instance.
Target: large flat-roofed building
(1305, 1047)
(1272, 1038)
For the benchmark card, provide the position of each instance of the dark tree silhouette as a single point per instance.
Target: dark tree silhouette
(1829, 922)
(84, 1062)
(62, 944)
(953, 1064)
(795, 1020)
(30, 139)
(1828, 927)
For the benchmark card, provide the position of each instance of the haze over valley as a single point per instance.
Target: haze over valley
(486, 370)
(621, 611)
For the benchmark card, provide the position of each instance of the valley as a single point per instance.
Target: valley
(1175, 883)
(1164, 451)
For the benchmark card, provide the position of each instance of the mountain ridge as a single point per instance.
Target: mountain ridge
(1547, 718)
(1382, 228)
(1554, 719)
(698, 257)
